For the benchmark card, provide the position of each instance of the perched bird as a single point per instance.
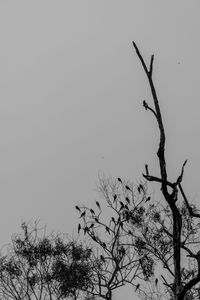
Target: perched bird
(86, 229)
(94, 238)
(137, 287)
(119, 179)
(82, 215)
(122, 205)
(107, 229)
(113, 219)
(148, 199)
(102, 258)
(92, 225)
(96, 220)
(79, 227)
(127, 200)
(156, 281)
(147, 170)
(97, 203)
(127, 187)
(115, 197)
(92, 211)
(141, 187)
(122, 251)
(145, 104)
(104, 245)
(78, 208)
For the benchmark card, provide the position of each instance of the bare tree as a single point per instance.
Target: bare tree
(171, 229)
(116, 244)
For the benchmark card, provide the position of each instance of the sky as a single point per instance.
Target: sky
(71, 92)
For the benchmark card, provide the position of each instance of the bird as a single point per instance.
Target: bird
(82, 215)
(97, 203)
(78, 208)
(94, 238)
(130, 233)
(156, 281)
(86, 229)
(128, 188)
(122, 251)
(104, 245)
(96, 220)
(122, 204)
(107, 229)
(79, 227)
(137, 287)
(113, 219)
(115, 197)
(102, 258)
(119, 179)
(127, 200)
(92, 211)
(145, 104)
(92, 225)
(148, 199)
(147, 170)
(141, 187)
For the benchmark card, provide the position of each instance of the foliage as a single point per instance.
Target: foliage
(171, 228)
(114, 229)
(37, 266)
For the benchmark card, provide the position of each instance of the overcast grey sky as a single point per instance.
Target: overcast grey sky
(71, 91)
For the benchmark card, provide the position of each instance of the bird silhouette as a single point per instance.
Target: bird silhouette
(92, 211)
(141, 187)
(82, 215)
(104, 245)
(145, 104)
(128, 188)
(97, 203)
(78, 208)
(148, 199)
(156, 281)
(113, 219)
(102, 258)
(122, 204)
(119, 179)
(79, 228)
(86, 229)
(137, 287)
(146, 168)
(107, 229)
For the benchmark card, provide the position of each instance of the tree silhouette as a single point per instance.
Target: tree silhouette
(171, 229)
(37, 266)
(113, 230)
